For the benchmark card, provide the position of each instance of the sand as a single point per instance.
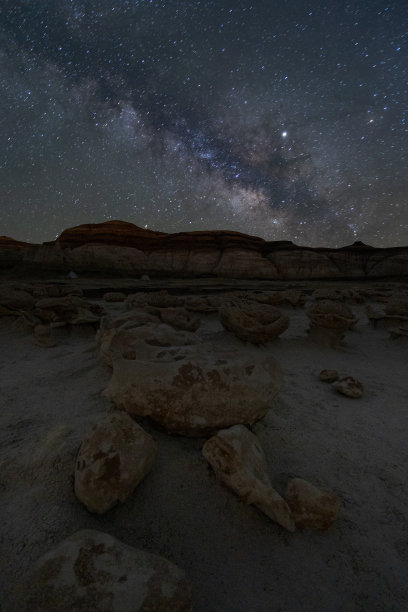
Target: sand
(236, 558)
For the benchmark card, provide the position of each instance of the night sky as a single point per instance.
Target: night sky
(283, 119)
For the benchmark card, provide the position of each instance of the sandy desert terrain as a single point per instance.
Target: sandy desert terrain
(236, 558)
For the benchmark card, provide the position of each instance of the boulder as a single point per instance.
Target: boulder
(114, 296)
(239, 462)
(329, 321)
(14, 299)
(327, 293)
(328, 375)
(44, 291)
(399, 309)
(380, 320)
(312, 507)
(128, 341)
(93, 571)
(180, 318)
(399, 332)
(349, 386)
(255, 323)
(42, 336)
(187, 386)
(203, 303)
(111, 462)
(70, 310)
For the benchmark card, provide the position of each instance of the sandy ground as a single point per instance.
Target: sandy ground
(236, 558)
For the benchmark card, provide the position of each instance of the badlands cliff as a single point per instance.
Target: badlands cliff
(122, 248)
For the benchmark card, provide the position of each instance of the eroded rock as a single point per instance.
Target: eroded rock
(70, 310)
(312, 507)
(328, 376)
(187, 386)
(203, 303)
(114, 296)
(43, 337)
(329, 321)
(180, 318)
(134, 338)
(349, 386)
(255, 323)
(93, 571)
(111, 462)
(239, 462)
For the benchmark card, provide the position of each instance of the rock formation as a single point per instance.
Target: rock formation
(348, 386)
(91, 570)
(239, 462)
(312, 507)
(328, 376)
(253, 322)
(117, 247)
(329, 321)
(112, 461)
(184, 385)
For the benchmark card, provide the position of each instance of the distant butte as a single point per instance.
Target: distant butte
(122, 248)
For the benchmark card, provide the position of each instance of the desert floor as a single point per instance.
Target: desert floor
(236, 558)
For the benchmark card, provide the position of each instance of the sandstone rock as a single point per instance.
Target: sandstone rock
(329, 321)
(397, 308)
(42, 336)
(380, 320)
(349, 386)
(328, 375)
(239, 462)
(189, 387)
(120, 247)
(93, 571)
(132, 340)
(287, 297)
(203, 303)
(398, 333)
(326, 293)
(7, 312)
(12, 299)
(312, 507)
(43, 291)
(111, 462)
(180, 318)
(114, 296)
(256, 323)
(72, 310)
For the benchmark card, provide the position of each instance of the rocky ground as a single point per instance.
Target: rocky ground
(236, 558)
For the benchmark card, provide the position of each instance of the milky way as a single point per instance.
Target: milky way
(281, 119)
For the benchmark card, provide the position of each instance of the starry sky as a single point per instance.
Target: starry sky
(284, 119)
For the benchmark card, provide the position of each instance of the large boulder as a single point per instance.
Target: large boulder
(239, 462)
(329, 321)
(187, 386)
(93, 571)
(16, 299)
(253, 322)
(112, 461)
(70, 310)
(129, 339)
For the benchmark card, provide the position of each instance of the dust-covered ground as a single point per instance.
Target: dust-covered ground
(236, 558)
